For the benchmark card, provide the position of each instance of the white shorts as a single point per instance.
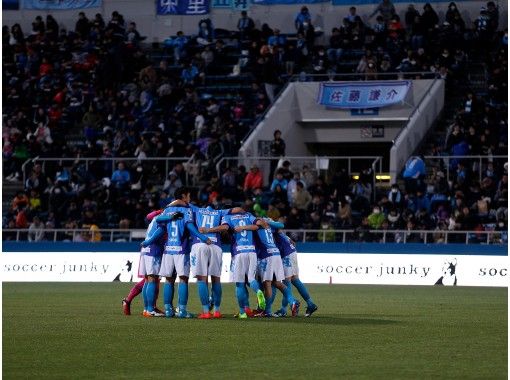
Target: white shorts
(271, 268)
(141, 266)
(149, 265)
(290, 265)
(172, 265)
(206, 260)
(244, 264)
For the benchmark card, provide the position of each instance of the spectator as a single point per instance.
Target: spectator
(277, 149)
(376, 218)
(121, 178)
(36, 230)
(429, 19)
(245, 25)
(253, 179)
(205, 31)
(414, 174)
(19, 202)
(302, 17)
(395, 196)
(291, 186)
(451, 13)
(279, 181)
(344, 213)
(301, 198)
(276, 39)
(82, 25)
(410, 17)
(386, 10)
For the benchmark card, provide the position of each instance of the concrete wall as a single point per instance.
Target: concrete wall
(157, 28)
(424, 117)
(330, 132)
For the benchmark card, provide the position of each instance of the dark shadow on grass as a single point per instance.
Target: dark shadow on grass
(327, 319)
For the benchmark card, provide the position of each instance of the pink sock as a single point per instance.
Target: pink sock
(136, 290)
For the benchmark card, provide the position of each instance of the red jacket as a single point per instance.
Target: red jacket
(253, 180)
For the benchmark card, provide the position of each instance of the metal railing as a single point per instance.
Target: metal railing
(110, 161)
(298, 235)
(317, 163)
(477, 163)
(362, 76)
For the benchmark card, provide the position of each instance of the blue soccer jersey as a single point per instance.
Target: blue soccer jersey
(156, 248)
(265, 243)
(284, 244)
(208, 217)
(241, 241)
(177, 241)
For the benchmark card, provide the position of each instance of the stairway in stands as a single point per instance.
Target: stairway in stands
(454, 98)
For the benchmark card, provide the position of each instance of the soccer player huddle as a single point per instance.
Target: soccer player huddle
(183, 239)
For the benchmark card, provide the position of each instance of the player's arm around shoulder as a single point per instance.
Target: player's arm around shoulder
(248, 227)
(220, 228)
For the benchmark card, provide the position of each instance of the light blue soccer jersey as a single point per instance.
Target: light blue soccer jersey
(241, 241)
(265, 244)
(284, 244)
(156, 248)
(177, 241)
(208, 217)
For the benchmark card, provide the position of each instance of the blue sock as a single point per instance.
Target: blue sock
(150, 295)
(302, 291)
(240, 293)
(246, 296)
(285, 301)
(168, 295)
(255, 285)
(216, 294)
(287, 293)
(270, 300)
(144, 295)
(183, 296)
(211, 296)
(203, 293)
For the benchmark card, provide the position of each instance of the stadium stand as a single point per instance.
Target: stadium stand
(134, 122)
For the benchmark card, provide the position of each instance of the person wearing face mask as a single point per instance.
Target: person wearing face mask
(320, 62)
(451, 13)
(395, 196)
(376, 218)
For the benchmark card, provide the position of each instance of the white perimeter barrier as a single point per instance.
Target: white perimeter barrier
(323, 268)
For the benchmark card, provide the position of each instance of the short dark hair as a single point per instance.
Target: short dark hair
(181, 191)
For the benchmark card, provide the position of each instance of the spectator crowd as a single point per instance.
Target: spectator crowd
(99, 92)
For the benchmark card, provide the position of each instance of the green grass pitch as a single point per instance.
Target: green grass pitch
(78, 331)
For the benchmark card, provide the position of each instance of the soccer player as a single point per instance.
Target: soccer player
(141, 286)
(150, 263)
(270, 265)
(176, 259)
(291, 270)
(244, 257)
(206, 260)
